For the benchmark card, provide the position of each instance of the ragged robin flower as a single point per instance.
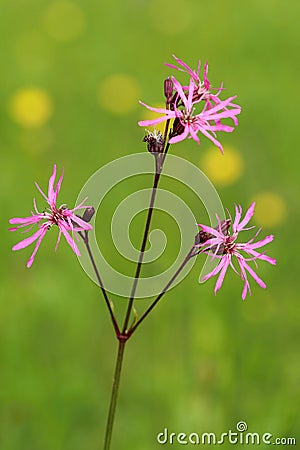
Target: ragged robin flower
(64, 218)
(221, 244)
(203, 90)
(189, 124)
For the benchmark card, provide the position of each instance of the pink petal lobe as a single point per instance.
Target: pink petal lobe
(210, 230)
(26, 220)
(261, 243)
(51, 192)
(31, 259)
(158, 110)
(40, 190)
(82, 223)
(180, 137)
(225, 263)
(25, 242)
(69, 239)
(254, 275)
(215, 141)
(214, 272)
(247, 217)
(150, 123)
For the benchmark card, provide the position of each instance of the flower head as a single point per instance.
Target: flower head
(61, 216)
(201, 87)
(221, 244)
(189, 124)
(202, 90)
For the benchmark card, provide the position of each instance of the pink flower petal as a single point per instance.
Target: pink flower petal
(194, 135)
(51, 192)
(26, 220)
(58, 240)
(247, 218)
(82, 223)
(225, 263)
(209, 136)
(211, 230)
(40, 190)
(261, 256)
(31, 259)
(25, 242)
(254, 275)
(69, 239)
(178, 88)
(261, 243)
(158, 110)
(221, 115)
(180, 137)
(220, 127)
(58, 186)
(238, 213)
(244, 277)
(220, 106)
(214, 272)
(245, 289)
(150, 123)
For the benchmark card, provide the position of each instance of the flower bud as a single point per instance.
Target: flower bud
(88, 214)
(168, 89)
(203, 236)
(155, 141)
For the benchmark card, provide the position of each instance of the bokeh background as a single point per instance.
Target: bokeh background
(71, 76)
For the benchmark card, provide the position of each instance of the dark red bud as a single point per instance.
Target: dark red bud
(168, 89)
(88, 214)
(155, 141)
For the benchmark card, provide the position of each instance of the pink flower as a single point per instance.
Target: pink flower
(189, 124)
(202, 86)
(222, 245)
(202, 90)
(63, 217)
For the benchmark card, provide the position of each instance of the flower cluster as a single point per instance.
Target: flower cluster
(61, 216)
(190, 110)
(182, 102)
(221, 244)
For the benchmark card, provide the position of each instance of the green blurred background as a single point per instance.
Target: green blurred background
(71, 75)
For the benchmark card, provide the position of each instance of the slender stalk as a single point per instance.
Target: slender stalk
(154, 303)
(166, 130)
(108, 304)
(159, 167)
(114, 395)
(141, 256)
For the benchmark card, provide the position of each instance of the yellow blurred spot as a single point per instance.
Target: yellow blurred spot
(119, 93)
(151, 115)
(31, 107)
(170, 17)
(223, 169)
(64, 20)
(270, 209)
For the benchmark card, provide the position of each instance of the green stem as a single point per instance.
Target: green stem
(141, 255)
(114, 395)
(85, 238)
(146, 231)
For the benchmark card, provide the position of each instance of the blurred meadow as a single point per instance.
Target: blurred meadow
(72, 73)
